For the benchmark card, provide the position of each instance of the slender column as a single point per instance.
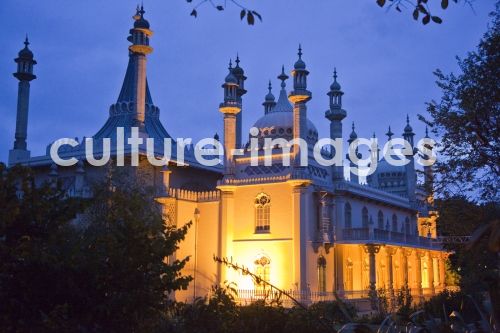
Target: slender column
(406, 254)
(431, 271)
(229, 139)
(166, 172)
(140, 89)
(442, 271)
(419, 254)
(372, 250)
(390, 278)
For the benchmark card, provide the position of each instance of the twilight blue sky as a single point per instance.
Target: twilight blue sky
(385, 61)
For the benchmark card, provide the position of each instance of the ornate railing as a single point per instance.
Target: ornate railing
(386, 236)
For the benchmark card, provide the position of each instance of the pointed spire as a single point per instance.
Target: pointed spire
(426, 132)
(237, 60)
(230, 64)
(26, 41)
(408, 129)
(389, 133)
(300, 64)
(283, 77)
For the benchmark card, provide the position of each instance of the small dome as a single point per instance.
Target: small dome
(335, 86)
(230, 78)
(408, 128)
(26, 52)
(300, 64)
(270, 97)
(141, 23)
(383, 167)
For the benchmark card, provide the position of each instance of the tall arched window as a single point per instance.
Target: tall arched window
(262, 270)
(321, 274)
(347, 216)
(407, 226)
(394, 223)
(380, 220)
(262, 213)
(364, 217)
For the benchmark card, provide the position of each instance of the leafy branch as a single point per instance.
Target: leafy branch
(421, 8)
(250, 14)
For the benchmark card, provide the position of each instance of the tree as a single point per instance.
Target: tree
(420, 8)
(37, 246)
(467, 121)
(74, 265)
(126, 243)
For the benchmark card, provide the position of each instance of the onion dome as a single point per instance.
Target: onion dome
(269, 96)
(230, 78)
(300, 64)
(335, 85)
(237, 70)
(408, 128)
(353, 136)
(140, 21)
(26, 53)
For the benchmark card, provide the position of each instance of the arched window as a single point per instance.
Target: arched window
(407, 226)
(364, 217)
(262, 213)
(347, 216)
(262, 267)
(380, 220)
(321, 274)
(394, 223)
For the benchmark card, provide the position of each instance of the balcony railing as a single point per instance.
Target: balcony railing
(386, 236)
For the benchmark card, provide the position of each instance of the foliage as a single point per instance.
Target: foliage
(476, 267)
(467, 121)
(69, 265)
(420, 8)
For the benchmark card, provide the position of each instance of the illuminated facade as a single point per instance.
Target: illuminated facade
(302, 228)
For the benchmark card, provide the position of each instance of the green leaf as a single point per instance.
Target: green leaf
(242, 14)
(250, 18)
(436, 19)
(194, 13)
(220, 7)
(426, 19)
(444, 4)
(381, 3)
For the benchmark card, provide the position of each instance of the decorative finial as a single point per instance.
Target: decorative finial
(353, 126)
(26, 41)
(407, 119)
(283, 77)
(389, 133)
(230, 64)
(270, 86)
(300, 51)
(335, 74)
(373, 136)
(426, 132)
(142, 11)
(237, 60)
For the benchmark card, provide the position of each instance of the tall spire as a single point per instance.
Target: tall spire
(25, 62)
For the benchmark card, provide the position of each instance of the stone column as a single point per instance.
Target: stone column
(406, 253)
(442, 270)
(431, 271)
(390, 251)
(372, 250)
(418, 271)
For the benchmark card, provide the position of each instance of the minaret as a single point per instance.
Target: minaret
(299, 97)
(411, 178)
(239, 73)
(335, 115)
(353, 136)
(24, 74)
(139, 37)
(230, 108)
(269, 101)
